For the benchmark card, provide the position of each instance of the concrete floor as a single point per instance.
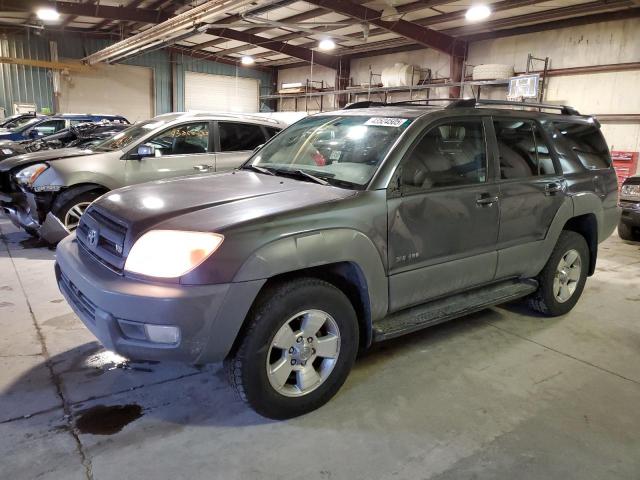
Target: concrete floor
(500, 394)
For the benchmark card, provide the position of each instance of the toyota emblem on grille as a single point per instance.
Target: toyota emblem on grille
(92, 237)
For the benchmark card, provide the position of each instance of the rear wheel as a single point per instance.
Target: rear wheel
(297, 350)
(70, 211)
(563, 278)
(625, 231)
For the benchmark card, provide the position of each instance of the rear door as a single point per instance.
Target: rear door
(443, 218)
(531, 190)
(180, 150)
(235, 141)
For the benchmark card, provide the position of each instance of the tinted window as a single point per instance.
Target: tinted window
(49, 127)
(271, 131)
(587, 144)
(522, 149)
(239, 136)
(182, 140)
(450, 154)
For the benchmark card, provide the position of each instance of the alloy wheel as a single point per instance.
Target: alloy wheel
(72, 217)
(303, 353)
(567, 276)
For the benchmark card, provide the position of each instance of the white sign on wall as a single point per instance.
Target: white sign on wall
(524, 86)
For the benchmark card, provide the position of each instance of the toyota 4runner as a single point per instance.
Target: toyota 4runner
(345, 229)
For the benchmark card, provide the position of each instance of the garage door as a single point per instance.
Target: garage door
(117, 89)
(220, 93)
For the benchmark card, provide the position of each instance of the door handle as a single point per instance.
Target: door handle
(551, 188)
(485, 199)
(203, 168)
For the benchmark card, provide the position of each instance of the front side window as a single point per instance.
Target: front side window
(238, 137)
(453, 153)
(185, 139)
(522, 149)
(587, 143)
(130, 135)
(342, 150)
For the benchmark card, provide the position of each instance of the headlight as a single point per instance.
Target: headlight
(171, 253)
(631, 190)
(28, 175)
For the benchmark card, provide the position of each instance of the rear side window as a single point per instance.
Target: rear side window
(523, 151)
(587, 143)
(236, 137)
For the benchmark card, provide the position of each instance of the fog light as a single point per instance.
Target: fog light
(162, 333)
(133, 330)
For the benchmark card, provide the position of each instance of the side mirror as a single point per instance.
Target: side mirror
(34, 133)
(146, 151)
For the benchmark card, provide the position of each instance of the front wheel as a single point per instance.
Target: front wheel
(297, 350)
(625, 232)
(563, 278)
(70, 211)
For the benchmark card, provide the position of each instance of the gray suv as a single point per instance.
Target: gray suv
(347, 228)
(46, 192)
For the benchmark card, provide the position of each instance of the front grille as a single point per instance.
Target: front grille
(103, 237)
(82, 303)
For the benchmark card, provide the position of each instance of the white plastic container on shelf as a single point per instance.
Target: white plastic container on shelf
(399, 75)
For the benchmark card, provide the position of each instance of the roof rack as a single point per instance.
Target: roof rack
(472, 102)
(466, 103)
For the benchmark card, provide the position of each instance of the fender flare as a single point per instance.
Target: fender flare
(323, 248)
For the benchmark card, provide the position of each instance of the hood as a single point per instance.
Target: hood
(27, 159)
(213, 202)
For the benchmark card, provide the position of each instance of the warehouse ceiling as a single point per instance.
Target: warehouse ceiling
(285, 32)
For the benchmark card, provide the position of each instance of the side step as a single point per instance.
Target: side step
(438, 311)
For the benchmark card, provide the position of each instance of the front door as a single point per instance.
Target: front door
(443, 216)
(179, 150)
(531, 192)
(236, 142)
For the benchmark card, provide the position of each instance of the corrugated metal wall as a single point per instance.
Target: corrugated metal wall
(34, 85)
(20, 84)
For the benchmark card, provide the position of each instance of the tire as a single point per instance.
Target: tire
(492, 71)
(625, 232)
(550, 301)
(278, 306)
(69, 208)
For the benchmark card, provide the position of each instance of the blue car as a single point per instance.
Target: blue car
(42, 126)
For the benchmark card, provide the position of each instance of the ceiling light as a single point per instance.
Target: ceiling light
(247, 60)
(326, 44)
(48, 14)
(477, 13)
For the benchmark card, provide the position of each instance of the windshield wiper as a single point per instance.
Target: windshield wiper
(258, 169)
(311, 177)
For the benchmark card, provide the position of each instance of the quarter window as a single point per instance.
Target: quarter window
(453, 153)
(235, 137)
(587, 144)
(186, 139)
(522, 149)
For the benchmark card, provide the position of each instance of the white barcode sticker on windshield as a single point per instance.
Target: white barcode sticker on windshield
(386, 121)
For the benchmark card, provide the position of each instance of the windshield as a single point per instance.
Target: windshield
(130, 135)
(15, 121)
(339, 149)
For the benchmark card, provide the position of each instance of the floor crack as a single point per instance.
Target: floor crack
(66, 408)
(564, 354)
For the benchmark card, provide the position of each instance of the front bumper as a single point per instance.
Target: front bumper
(209, 316)
(630, 213)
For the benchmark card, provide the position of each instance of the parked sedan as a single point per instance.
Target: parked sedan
(47, 192)
(42, 126)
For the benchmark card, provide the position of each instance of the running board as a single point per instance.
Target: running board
(438, 311)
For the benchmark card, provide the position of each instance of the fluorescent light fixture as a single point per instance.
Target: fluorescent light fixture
(326, 44)
(48, 14)
(247, 60)
(477, 13)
